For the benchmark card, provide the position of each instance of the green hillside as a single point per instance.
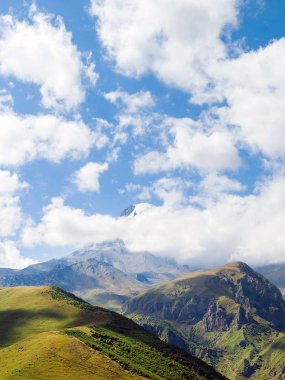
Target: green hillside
(50, 355)
(226, 315)
(46, 333)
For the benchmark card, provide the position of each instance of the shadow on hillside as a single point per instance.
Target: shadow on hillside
(126, 327)
(13, 323)
(279, 344)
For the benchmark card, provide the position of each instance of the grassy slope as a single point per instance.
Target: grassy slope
(273, 360)
(90, 341)
(25, 311)
(50, 355)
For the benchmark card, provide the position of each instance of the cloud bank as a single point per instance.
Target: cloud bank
(218, 226)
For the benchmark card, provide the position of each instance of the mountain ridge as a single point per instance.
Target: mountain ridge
(228, 313)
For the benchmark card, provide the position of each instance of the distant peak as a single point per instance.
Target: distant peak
(116, 243)
(136, 209)
(127, 211)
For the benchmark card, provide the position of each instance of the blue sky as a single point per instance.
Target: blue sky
(175, 105)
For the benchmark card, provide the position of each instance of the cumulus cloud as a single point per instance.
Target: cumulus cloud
(6, 100)
(10, 208)
(185, 45)
(135, 116)
(178, 45)
(10, 215)
(231, 227)
(29, 137)
(170, 190)
(40, 50)
(64, 225)
(87, 177)
(10, 256)
(213, 186)
(10, 183)
(191, 146)
(254, 86)
(131, 103)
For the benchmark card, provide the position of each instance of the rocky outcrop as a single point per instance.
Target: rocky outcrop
(166, 334)
(216, 318)
(241, 318)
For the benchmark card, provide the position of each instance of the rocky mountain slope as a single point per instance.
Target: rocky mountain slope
(105, 274)
(46, 333)
(226, 315)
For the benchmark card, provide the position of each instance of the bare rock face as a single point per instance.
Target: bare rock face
(241, 318)
(216, 318)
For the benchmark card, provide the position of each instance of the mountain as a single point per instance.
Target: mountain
(116, 254)
(275, 273)
(7, 271)
(226, 315)
(105, 274)
(91, 279)
(47, 333)
(87, 274)
(137, 209)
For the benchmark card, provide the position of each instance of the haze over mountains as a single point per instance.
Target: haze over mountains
(99, 272)
(275, 273)
(111, 267)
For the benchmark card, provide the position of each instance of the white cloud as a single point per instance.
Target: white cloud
(214, 186)
(134, 117)
(192, 147)
(62, 225)
(25, 138)
(40, 50)
(10, 215)
(131, 103)
(87, 177)
(10, 183)
(10, 256)
(10, 208)
(6, 100)
(170, 190)
(177, 41)
(254, 86)
(232, 227)
(184, 45)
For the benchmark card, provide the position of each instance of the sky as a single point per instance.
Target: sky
(177, 106)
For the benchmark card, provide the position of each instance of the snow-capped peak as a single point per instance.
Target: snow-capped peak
(136, 209)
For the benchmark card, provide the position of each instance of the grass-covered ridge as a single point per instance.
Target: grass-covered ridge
(47, 333)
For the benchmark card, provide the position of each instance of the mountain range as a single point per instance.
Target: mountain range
(104, 274)
(230, 314)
